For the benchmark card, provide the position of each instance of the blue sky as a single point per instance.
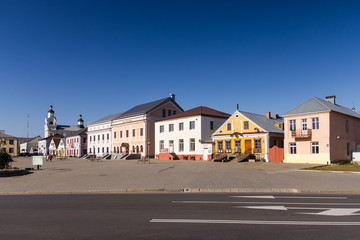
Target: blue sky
(102, 57)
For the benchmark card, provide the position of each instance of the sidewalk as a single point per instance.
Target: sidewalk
(81, 176)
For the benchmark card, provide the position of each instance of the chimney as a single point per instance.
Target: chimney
(268, 115)
(353, 108)
(237, 107)
(172, 96)
(276, 116)
(331, 99)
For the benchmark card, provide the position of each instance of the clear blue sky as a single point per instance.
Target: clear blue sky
(102, 57)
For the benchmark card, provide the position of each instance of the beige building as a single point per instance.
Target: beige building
(320, 131)
(133, 131)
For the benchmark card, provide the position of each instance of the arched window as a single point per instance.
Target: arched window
(141, 148)
(137, 149)
(114, 149)
(133, 148)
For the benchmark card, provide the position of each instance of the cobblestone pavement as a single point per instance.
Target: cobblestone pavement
(79, 176)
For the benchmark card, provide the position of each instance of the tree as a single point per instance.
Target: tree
(5, 160)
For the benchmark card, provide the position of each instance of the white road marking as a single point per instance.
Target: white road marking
(273, 203)
(327, 212)
(254, 222)
(295, 197)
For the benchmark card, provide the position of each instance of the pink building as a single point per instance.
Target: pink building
(76, 143)
(320, 131)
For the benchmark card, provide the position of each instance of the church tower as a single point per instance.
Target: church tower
(81, 122)
(50, 123)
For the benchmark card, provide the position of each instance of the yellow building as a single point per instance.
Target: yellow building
(8, 143)
(246, 135)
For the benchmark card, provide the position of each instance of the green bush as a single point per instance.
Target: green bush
(5, 160)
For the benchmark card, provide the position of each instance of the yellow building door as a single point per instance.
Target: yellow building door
(248, 147)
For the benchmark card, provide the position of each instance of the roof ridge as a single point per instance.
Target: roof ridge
(318, 99)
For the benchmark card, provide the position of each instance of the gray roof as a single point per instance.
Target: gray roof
(268, 124)
(146, 108)
(3, 135)
(107, 118)
(315, 105)
(68, 128)
(81, 132)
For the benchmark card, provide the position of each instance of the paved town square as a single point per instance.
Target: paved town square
(74, 175)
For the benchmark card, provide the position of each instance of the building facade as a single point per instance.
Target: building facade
(76, 144)
(133, 131)
(8, 143)
(187, 135)
(244, 134)
(99, 139)
(320, 131)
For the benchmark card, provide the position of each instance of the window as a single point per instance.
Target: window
(90, 138)
(161, 144)
(141, 131)
(220, 146)
(171, 127)
(211, 125)
(257, 145)
(228, 127)
(304, 124)
(11, 142)
(84, 141)
(98, 137)
(315, 147)
(169, 112)
(134, 132)
(161, 128)
(114, 134)
(11, 150)
(163, 113)
(192, 144)
(238, 146)
(103, 150)
(292, 148)
(107, 136)
(192, 124)
(246, 125)
(181, 145)
(315, 123)
(228, 146)
(89, 150)
(181, 126)
(127, 133)
(120, 134)
(103, 137)
(292, 124)
(174, 112)
(348, 148)
(98, 150)
(94, 138)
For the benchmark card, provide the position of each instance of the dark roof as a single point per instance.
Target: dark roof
(205, 111)
(81, 132)
(268, 124)
(147, 107)
(315, 105)
(107, 118)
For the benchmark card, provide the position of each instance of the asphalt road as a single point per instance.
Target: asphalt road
(180, 216)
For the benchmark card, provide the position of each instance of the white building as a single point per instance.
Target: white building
(52, 128)
(99, 136)
(187, 135)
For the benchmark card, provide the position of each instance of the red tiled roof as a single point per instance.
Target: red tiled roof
(205, 111)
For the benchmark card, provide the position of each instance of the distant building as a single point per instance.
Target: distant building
(133, 131)
(52, 128)
(187, 135)
(47, 146)
(321, 131)
(76, 143)
(8, 143)
(30, 146)
(99, 136)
